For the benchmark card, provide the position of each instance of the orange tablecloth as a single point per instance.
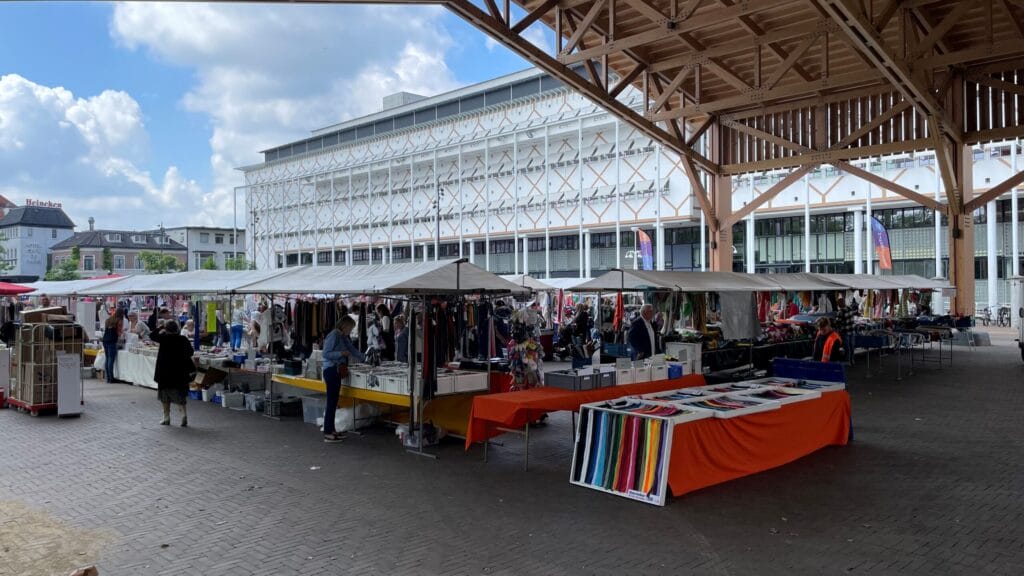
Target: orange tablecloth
(515, 409)
(715, 450)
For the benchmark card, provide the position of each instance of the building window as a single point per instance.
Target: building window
(113, 237)
(138, 263)
(204, 237)
(218, 238)
(53, 233)
(29, 232)
(88, 263)
(119, 262)
(139, 239)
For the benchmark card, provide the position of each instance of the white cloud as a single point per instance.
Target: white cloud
(270, 74)
(83, 152)
(537, 34)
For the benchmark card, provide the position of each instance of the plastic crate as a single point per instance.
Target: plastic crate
(313, 407)
(195, 394)
(289, 407)
(254, 401)
(570, 380)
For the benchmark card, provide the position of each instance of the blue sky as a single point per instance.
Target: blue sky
(211, 86)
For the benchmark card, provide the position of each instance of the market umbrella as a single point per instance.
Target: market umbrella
(8, 289)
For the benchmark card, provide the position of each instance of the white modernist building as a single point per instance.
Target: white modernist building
(205, 242)
(520, 174)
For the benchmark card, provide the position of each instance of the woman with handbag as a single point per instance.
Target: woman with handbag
(175, 369)
(338, 352)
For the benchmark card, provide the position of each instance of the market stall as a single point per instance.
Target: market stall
(433, 391)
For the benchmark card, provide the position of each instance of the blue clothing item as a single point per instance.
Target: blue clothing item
(333, 383)
(236, 336)
(402, 346)
(334, 345)
(109, 358)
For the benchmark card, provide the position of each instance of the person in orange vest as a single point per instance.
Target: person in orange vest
(828, 345)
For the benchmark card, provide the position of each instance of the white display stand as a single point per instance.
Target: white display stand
(85, 316)
(69, 384)
(132, 367)
(686, 353)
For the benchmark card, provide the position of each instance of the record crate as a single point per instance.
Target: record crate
(35, 355)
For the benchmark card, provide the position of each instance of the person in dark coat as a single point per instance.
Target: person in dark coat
(401, 340)
(642, 334)
(174, 369)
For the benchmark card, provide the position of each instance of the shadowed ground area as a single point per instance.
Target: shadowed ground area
(931, 485)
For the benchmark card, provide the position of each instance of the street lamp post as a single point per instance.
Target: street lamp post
(636, 246)
(437, 223)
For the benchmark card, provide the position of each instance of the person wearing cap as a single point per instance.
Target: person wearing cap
(828, 345)
(175, 369)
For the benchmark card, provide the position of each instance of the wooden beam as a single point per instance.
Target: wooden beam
(789, 63)
(875, 123)
(1004, 133)
(533, 16)
(584, 25)
(987, 52)
(493, 9)
(946, 163)
(828, 157)
(748, 23)
(928, 43)
(996, 83)
(696, 134)
(994, 192)
(863, 37)
(538, 57)
(756, 97)
(811, 102)
(784, 33)
(1017, 24)
(627, 80)
(768, 194)
(698, 190)
(760, 134)
(886, 14)
(670, 90)
(890, 185)
(588, 64)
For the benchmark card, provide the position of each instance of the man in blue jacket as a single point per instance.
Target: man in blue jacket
(641, 334)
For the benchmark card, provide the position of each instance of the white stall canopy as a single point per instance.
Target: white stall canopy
(639, 280)
(436, 277)
(803, 281)
(865, 281)
(527, 281)
(66, 287)
(193, 282)
(565, 283)
(920, 282)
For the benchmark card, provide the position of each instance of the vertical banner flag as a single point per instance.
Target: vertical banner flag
(881, 237)
(645, 250)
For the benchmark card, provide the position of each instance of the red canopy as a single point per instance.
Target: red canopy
(8, 289)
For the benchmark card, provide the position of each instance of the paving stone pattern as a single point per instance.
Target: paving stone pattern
(933, 484)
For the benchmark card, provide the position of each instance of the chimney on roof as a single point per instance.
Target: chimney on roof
(92, 223)
(401, 99)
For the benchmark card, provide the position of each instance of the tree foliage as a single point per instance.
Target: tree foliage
(66, 270)
(239, 263)
(210, 263)
(108, 260)
(156, 263)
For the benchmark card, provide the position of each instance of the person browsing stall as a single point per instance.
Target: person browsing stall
(175, 370)
(641, 334)
(339, 351)
(828, 345)
(401, 340)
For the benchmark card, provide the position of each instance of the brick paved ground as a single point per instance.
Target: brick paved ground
(932, 485)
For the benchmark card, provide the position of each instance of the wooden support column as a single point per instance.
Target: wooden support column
(961, 235)
(720, 227)
(720, 248)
